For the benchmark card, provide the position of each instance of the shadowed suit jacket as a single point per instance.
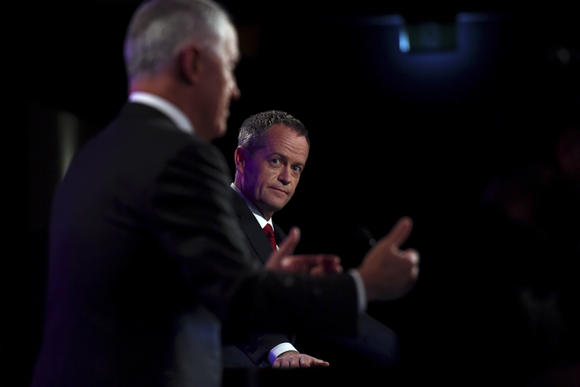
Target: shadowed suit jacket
(147, 263)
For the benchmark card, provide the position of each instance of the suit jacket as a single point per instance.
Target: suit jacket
(259, 245)
(147, 261)
(258, 345)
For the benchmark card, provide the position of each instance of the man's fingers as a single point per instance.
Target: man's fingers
(400, 231)
(315, 264)
(299, 361)
(289, 244)
(285, 248)
(331, 264)
(293, 265)
(327, 264)
(414, 257)
(319, 362)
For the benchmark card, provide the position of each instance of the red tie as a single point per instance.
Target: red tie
(270, 234)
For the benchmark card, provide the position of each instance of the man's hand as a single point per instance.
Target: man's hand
(388, 272)
(293, 359)
(313, 264)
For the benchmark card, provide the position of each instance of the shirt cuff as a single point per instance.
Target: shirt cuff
(360, 290)
(279, 349)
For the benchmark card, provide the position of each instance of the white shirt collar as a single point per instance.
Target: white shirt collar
(259, 217)
(165, 107)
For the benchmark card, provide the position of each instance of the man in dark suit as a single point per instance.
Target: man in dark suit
(146, 260)
(273, 148)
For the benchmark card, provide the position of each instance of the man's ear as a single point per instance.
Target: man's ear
(189, 64)
(240, 159)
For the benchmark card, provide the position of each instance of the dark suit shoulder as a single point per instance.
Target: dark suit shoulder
(241, 207)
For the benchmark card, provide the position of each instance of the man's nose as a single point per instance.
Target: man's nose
(285, 176)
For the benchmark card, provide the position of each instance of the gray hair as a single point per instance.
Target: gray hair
(254, 128)
(160, 28)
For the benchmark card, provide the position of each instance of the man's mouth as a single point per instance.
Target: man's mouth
(279, 190)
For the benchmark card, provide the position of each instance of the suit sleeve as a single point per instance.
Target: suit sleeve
(258, 346)
(193, 219)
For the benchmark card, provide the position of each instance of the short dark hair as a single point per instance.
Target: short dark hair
(255, 127)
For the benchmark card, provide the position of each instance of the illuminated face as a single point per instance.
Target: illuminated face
(218, 84)
(269, 176)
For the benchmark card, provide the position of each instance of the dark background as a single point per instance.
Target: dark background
(429, 134)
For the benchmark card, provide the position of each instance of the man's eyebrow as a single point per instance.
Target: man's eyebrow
(277, 154)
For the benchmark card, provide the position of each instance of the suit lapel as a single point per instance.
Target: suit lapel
(280, 234)
(257, 239)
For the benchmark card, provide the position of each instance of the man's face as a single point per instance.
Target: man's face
(270, 174)
(219, 84)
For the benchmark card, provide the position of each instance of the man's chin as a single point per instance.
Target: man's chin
(277, 206)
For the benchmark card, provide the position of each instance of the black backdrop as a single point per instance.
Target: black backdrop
(423, 134)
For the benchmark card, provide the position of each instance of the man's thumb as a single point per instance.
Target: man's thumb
(285, 248)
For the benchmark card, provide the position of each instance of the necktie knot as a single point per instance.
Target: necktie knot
(269, 231)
